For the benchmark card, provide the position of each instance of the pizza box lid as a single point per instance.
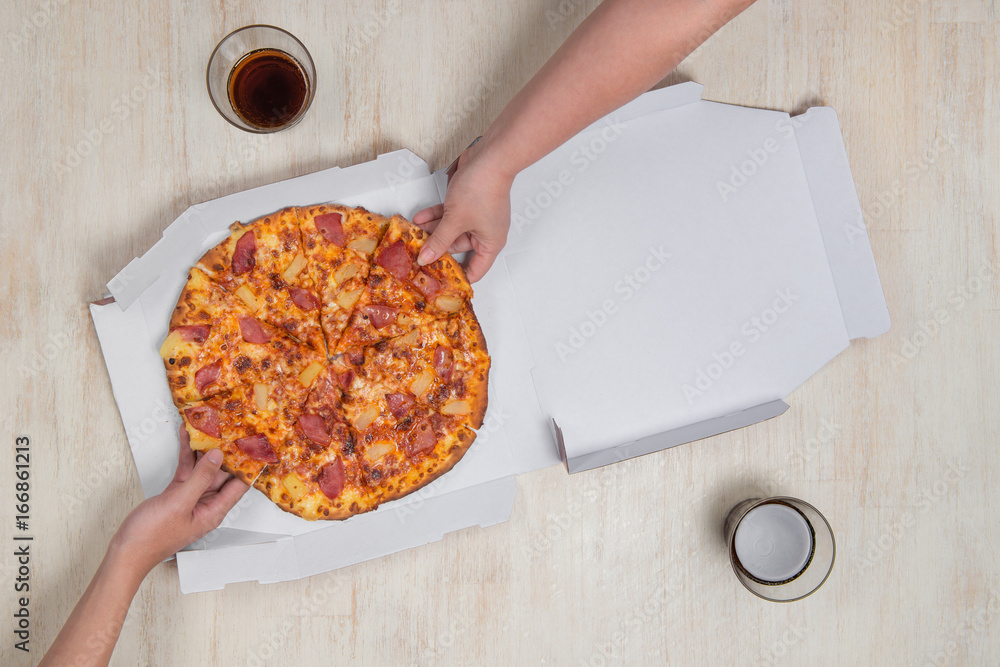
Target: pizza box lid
(681, 266)
(650, 174)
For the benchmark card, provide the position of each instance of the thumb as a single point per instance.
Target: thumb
(447, 231)
(203, 476)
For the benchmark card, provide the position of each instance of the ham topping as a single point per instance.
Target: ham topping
(196, 333)
(396, 260)
(257, 447)
(422, 438)
(304, 299)
(252, 331)
(243, 255)
(314, 428)
(206, 375)
(428, 285)
(205, 419)
(443, 362)
(331, 227)
(331, 479)
(399, 404)
(380, 315)
(345, 379)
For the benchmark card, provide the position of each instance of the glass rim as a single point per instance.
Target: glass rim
(246, 127)
(761, 501)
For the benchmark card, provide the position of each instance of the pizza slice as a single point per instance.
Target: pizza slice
(401, 295)
(401, 446)
(215, 344)
(338, 243)
(249, 424)
(263, 264)
(443, 365)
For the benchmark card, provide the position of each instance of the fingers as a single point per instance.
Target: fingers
(202, 476)
(185, 456)
(221, 478)
(439, 242)
(462, 244)
(218, 506)
(428, 214)
(480, 263)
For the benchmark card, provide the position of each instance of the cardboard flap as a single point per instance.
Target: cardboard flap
(678, 436)
(824, 158)
(382, 533)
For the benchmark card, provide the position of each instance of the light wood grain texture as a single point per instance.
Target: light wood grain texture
(109, 135)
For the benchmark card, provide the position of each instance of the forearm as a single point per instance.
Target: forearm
(90, 633)
(620, 51)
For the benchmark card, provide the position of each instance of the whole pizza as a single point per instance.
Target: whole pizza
(332, 370)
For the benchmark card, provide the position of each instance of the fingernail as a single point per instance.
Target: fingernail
(215, 456)
(425, 257)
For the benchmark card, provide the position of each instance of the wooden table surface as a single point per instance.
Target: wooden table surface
(109, 135)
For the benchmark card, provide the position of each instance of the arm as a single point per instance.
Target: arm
(620, 51)
(194, 503)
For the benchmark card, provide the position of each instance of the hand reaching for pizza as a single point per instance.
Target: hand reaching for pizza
(194, 503)
(475, 215)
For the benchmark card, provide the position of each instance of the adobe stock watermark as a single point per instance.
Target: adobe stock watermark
(780, 648)
(32, 25)
(744, 169)
(55, 345)
(626, 288)
(458, 626)
(556, 16)
(366, 33)
(751, 331)
(269, 647)
(451, 120)
(121, 108)
(913, 169)
(580, 161)
(975, 622)
(891, 536)
(557, 525)
(930, 327)
(650, 610)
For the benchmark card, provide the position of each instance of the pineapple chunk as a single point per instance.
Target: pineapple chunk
(260, 396)
(295, 268)
(307, 376)
(365, 245)
(348, 299)
(201, 441)
(378, 450)
(296, 488)
(449, 303)
(421, 383)
(345, 272)
(248, 297)
(365, 419)
(407, 340)
(456, 408)
(172, 346)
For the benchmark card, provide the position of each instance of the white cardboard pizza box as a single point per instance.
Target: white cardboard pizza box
(649, 193)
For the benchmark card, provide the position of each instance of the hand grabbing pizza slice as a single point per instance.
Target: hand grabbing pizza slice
(249, 425)
(401, 295)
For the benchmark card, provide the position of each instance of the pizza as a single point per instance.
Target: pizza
(334, 372)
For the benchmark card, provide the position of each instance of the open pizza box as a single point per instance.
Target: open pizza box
(673, 272)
